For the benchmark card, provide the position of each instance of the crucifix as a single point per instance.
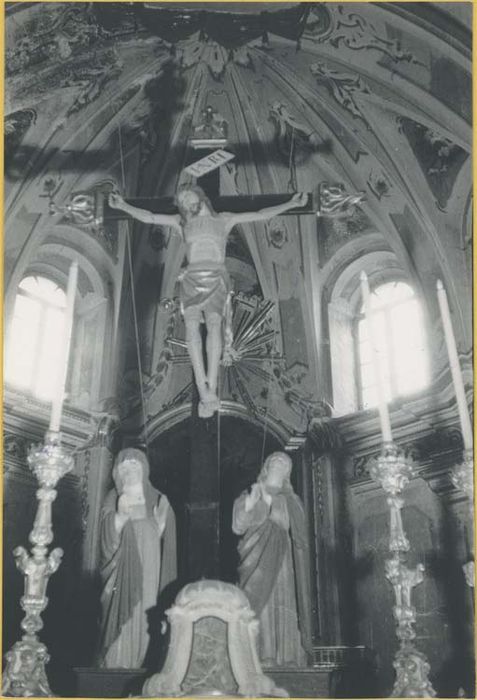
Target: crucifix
(204, 227)
(205, 284)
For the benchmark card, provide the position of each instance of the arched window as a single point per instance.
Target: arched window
(400, 340)
(34, 350)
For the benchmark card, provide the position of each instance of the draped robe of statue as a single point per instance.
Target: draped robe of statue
(137, 564)
(274, 573)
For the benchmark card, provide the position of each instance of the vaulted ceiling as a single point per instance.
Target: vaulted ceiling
(375, 96)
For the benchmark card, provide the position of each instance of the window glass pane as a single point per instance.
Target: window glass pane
(32, 359)
(389, 294)
(401, 344)
(411, 358)
(42, 288)
(50, 353)
(20, 358)
(392, 293)
(379, 332)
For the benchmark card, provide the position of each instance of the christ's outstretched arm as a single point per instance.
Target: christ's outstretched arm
(115, 201)
(298, 200)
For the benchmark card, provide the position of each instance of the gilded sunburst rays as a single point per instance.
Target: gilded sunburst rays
(252, 354)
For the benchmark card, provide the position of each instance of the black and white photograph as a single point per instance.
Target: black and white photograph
(238, 350)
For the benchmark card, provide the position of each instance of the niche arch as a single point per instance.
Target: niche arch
(241, 444)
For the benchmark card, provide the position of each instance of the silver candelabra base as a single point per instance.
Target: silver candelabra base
(393, 471)
(25, 674)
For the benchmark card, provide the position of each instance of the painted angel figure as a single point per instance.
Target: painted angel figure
(205, 283)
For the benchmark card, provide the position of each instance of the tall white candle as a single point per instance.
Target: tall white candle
(59, 395)
(377, 364)
(455, 367)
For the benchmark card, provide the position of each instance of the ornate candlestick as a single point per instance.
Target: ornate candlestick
(392, 471)
(24, 674)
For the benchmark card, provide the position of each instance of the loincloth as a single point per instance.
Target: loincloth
(204, 290)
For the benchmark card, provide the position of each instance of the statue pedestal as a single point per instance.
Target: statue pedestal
(213, 646)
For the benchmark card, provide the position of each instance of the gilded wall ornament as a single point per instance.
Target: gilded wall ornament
(335, 202)
(83, 209)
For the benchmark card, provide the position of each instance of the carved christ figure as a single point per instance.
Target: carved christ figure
(205, 283)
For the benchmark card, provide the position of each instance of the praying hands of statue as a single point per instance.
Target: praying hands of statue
(123, 513)
(258, 493)
(131, 506)
(205, 284)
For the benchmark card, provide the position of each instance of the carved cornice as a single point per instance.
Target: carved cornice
(295, 443)
(422, 414)
(28, 417)
(168, 419)
(325, 434)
